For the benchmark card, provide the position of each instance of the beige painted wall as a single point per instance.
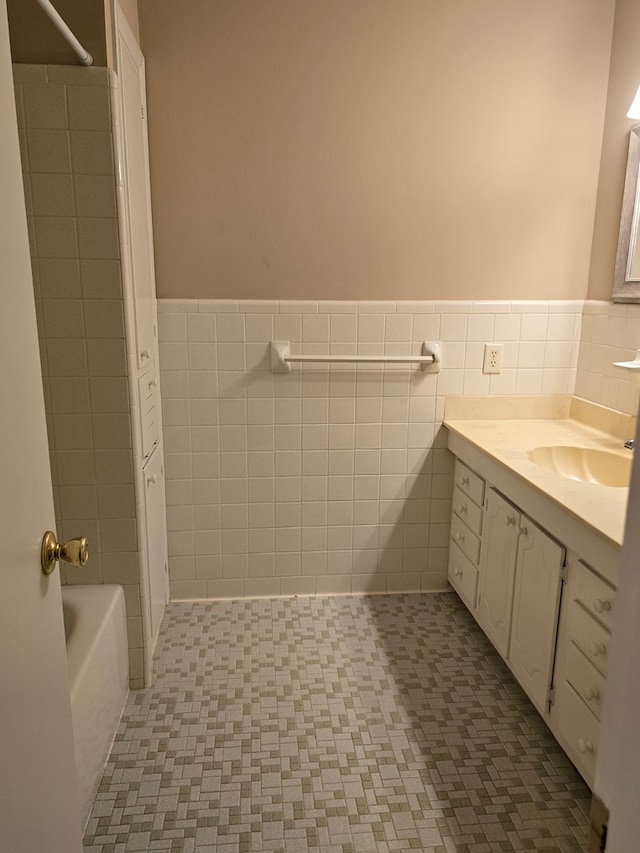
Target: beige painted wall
(624, 79)
(35, 39)
(375, 149)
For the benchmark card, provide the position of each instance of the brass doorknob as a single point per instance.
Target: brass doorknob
(75, 551)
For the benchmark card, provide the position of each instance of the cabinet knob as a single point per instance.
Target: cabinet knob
(464, 481)
(597, 649)
(523, 531)
(591, 693)
(585, 745)
(509, 519)
(152, 479)
(600, 605)
(153, 383)
(462, 508)
(458, 573)
(145, 353)
(459, 537)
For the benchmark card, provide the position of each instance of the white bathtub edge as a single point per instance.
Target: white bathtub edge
(98, 659)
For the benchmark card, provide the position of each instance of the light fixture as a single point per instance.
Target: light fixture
(634, 109)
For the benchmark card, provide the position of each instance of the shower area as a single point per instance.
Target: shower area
(83, 149)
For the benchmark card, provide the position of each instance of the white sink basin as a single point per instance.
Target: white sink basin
(604, 467)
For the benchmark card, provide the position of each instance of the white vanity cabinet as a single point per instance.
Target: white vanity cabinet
(545, 609)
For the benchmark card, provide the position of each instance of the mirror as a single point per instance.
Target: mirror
(626, 280)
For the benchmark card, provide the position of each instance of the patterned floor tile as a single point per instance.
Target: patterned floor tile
(350, 724)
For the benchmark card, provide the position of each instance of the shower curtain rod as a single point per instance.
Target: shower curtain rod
(83, 55)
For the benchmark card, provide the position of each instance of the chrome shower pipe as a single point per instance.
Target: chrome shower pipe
(83, 55)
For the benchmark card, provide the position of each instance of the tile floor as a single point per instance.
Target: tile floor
(336, 725)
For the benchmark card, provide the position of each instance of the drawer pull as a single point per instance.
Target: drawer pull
(459, 537)
(458, 572)
(600, 605)
(591, 693)
(509, 519)
(585, 745)
(152, 479)
(597, 649)
(464, 481)
(462, 508)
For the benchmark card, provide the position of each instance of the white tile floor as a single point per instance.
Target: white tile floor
(337, 725)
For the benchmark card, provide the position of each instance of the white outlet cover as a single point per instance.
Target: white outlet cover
(492, 361)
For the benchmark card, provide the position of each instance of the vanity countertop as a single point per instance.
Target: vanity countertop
(508, 441)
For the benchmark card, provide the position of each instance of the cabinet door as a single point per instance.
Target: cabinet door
(156, 523)
(535, 610)
(134, 151)
(497, 566)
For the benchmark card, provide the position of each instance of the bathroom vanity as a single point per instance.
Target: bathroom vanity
(534, 553)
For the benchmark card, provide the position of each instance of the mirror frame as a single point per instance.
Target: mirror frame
(624, 289)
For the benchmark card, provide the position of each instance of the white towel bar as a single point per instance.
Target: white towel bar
(430, 360)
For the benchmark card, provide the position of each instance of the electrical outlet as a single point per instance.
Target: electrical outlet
(492, 362)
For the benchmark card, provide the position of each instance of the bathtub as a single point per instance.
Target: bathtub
(97, 655)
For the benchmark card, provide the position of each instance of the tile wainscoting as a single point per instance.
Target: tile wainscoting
(329, 479)
(610, 332)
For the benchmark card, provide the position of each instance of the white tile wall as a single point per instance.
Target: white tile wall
(329, 479)
(610, 332)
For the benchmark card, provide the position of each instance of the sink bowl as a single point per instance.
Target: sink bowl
(585, 464)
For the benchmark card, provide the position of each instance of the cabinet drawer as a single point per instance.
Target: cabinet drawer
(470, 483)
(589, 636)
(467, 510)
(580, 729)
(463, 575)
(585, 679)
(593, 593)
(149, 412)
(465, 539)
